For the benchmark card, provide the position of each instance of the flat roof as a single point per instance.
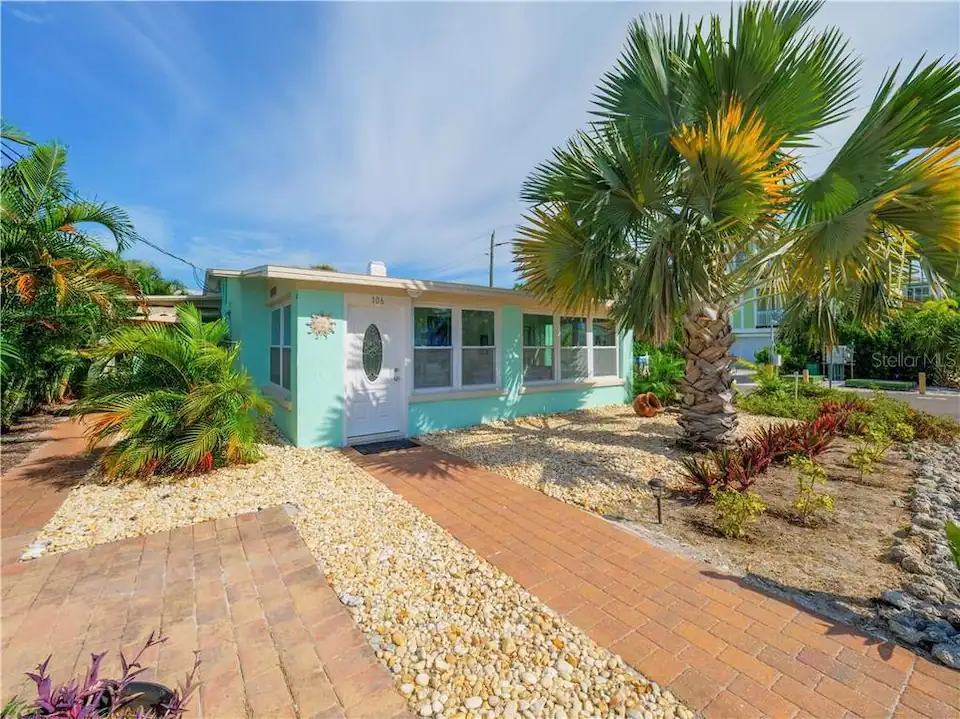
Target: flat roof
(280, 272)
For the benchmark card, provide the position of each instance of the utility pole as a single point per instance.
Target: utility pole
(492, 235)
(493, 244)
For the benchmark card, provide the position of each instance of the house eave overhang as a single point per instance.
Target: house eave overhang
(347, 279)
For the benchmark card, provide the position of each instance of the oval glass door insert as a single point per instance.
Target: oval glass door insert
(372, 353)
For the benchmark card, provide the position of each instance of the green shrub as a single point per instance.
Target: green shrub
(666, 370)
(932, 427)
(733, 511)
(953, 539)
(809, 502)
(174, 399)
(887, 384)
(893, 418)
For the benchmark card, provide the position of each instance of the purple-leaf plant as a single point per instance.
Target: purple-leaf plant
(97, 697)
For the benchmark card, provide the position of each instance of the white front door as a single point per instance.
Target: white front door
(374, 376)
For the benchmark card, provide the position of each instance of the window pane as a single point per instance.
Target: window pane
(573, 332)
(573, 363)
(275, 327)
(477, 328)
(286, 326)
(432, 327)
(372, 353)
(605, 362)
(432, 368)
(537, 364)
(479, 366)
(538, 331)
(275, 365)
(604, 334)
(286, 367)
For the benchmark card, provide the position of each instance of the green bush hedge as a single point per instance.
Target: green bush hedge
(888, 384)
(775, 397)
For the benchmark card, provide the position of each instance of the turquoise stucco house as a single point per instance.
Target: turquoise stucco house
(353, 358)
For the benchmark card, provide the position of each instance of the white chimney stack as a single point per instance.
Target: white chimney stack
(376, 269)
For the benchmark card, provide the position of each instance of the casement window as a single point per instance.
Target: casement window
(280, 336)
(587, 347)
(574, 354)
(604, 349)
(538, 347)
(454, 348)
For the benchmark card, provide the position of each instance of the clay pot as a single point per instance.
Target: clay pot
(647, 405)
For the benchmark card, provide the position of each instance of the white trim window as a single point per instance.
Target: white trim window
(918, 292)
(478, 348)
(574, 353)
(605, 355)
(539, 343)
(281, 330)
(432, 348)
(588, 347)
(454, 348)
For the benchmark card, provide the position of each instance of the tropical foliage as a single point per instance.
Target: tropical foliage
(59, 286)
(689, 189)
(662, 375)
(149, 280)
(172, 399)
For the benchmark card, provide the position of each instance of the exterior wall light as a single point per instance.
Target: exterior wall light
(657, 486)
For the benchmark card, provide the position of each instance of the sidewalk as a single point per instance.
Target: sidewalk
(33, 490)
(719, 645)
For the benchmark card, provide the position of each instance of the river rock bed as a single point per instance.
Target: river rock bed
(461, 638)
(926, 611)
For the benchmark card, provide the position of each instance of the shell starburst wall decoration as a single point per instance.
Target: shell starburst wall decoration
(321, 325)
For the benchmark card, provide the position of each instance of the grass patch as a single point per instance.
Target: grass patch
(888, 384)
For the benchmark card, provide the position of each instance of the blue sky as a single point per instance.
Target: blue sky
(238, 134)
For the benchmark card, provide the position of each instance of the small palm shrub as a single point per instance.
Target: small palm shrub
(733, 511)
(173, 399)
(664, 373)
(809, 501)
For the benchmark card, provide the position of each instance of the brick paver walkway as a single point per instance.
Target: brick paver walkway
(274, 639)
(32, 491)
(721, 646)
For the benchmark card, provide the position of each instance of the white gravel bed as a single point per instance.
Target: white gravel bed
(596, 458)
(462, 638)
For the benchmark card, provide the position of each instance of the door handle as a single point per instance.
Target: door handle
(396, 374)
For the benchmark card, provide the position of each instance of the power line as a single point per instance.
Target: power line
(198, 272)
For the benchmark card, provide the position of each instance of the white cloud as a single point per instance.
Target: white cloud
(404, 134)
(30, 17)
(413, 129)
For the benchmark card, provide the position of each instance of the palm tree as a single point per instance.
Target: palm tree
(43, 236)
(59, 287)
(172, 398)
(149, 280)
(695, 158)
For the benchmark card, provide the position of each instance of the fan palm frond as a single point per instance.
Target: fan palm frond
(172, 399)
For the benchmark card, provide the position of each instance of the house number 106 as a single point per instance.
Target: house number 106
(376, 299)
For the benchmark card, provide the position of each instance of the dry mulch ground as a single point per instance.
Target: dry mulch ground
(23, 437)
(601, 459)
(840, 553)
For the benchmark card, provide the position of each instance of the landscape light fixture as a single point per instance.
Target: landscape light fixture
(657, 486)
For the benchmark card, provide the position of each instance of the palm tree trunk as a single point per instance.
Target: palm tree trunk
(707, 414)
